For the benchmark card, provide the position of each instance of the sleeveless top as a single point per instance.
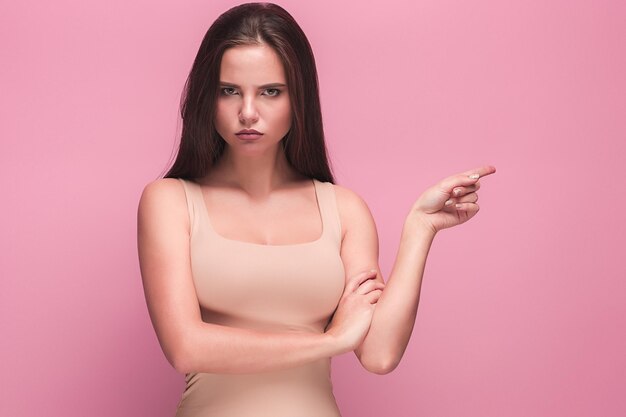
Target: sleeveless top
(293, 287)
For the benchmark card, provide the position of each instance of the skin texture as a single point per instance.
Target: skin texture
(262, 199)
(395, 312)
(244, 104)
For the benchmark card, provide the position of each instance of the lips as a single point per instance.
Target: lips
(249, 134)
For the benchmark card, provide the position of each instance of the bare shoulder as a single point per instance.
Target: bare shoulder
(164, 261)
(348, 199)
(164, 198)
(163, 188)
(353, 210)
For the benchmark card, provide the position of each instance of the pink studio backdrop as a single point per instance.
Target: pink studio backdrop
(522, 310)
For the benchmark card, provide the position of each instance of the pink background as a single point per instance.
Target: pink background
(522, 310)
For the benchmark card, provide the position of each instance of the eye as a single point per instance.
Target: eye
(272, 92)
(228, 91)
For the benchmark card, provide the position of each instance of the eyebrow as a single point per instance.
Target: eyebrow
(271, 85)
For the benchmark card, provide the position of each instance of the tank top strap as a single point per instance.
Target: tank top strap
(326, 197)
(328, 208)
(193, 194)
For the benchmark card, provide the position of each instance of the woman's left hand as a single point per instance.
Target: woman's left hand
(451, 201)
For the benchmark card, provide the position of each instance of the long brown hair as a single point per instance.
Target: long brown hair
(252, 23)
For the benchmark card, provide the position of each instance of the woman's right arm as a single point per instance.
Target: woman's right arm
(189, 344)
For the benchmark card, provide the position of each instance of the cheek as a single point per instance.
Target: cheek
(285, 115)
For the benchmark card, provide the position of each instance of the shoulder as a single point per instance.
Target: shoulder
(163, 185)
(353, 210)
(163, 198)
(166, 191)
(348, 200)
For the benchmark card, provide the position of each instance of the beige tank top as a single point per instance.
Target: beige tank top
(273, 287)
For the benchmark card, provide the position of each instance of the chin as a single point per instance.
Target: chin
(254, 147)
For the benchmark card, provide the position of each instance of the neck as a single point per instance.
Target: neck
(257, 174)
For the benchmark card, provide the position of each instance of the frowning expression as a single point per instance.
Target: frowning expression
(253, 95)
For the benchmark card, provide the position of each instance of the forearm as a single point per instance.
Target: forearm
(394, 317)
(221, 349)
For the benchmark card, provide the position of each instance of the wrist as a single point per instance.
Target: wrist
(334, 344)
(331, 343)
(417, 226)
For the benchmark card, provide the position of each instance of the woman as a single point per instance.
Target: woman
(257, 268)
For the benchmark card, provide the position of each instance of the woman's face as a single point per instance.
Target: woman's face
(252, 95)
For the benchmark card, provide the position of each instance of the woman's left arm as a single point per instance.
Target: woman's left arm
(394, 316)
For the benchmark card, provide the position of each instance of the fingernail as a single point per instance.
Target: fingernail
(449, 202)
(457, 192)
(459, 205)
(474, 176)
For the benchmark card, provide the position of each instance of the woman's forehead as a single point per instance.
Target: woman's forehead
(251, 65)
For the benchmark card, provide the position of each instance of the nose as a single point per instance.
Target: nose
(248, 113)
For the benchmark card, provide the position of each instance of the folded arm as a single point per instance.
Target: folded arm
(394, 317)
(188, 343)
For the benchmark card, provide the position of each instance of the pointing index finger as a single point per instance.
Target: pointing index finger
(466, 178)
(481, 172)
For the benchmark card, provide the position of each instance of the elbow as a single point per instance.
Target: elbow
(381, 366)
(179, 358)
(180, 364)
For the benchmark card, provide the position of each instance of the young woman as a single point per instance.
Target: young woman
(258, 268)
